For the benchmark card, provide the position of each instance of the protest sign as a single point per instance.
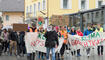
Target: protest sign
(20, 27)
(36, 42)
(92, 40)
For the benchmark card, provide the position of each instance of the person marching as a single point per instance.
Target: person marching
(64, 34)
(100, 47)
(5, 39)
(31, 56)
(79, 33)
(73, 32)
(86, 33)
(41, 54)
(51, 42)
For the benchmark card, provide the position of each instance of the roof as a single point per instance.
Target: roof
(12, 5)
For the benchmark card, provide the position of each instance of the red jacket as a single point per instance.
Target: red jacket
(79, 33)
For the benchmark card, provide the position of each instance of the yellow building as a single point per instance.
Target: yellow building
(12, 11)
(10, 18)
(47, 8)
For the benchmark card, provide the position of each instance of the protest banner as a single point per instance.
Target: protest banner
(92, 40)
(36, 42)
(20, 27)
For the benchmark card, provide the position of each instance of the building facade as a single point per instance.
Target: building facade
(47, 8)
(12, 11)
(10, 18)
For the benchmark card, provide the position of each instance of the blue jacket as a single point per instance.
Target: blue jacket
(73, 33)
(87, 32)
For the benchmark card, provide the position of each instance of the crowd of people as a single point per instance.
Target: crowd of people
(13, 42)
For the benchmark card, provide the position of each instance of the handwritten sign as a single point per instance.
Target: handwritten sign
(91, 40)
(36, 42)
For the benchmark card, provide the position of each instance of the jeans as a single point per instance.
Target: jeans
(78, 52)
(13, 44)
(31, 56)
(100, 50)
(88, 51)
(5, 45)
(48, 53)
(63, 49)
(41, 55)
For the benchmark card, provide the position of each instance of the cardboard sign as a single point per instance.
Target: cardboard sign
(20, 27)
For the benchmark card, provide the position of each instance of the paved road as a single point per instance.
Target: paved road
(95, 57)
(11, 58)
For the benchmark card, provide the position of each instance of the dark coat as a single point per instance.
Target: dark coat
(51, 39)
(13, 36)
(21, 37)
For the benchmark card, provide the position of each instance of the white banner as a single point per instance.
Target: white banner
(92, 40)
(36, 42)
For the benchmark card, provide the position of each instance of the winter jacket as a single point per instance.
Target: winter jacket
(64, 34)
(79, 33)
(51, 39)
(21, 37)
(87, 32)
(32, 29)
(4, 36)
(100, 30)
(73, 33)
(13, 36)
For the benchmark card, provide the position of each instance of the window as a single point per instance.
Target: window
(38, 6)
(83, 4)
(99, 3)
(34, 9)
(97, 14)
(7, 17)
(27, 9)
(30, 8)
(44, 4)
(65, 4)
